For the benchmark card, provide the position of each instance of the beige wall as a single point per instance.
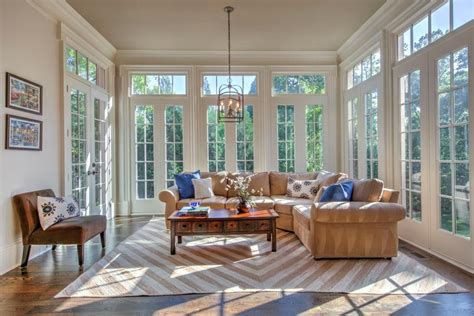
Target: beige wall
(28, 48)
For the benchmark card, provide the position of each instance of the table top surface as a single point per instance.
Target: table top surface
(224, 214)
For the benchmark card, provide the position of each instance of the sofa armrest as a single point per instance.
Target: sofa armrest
(357, 212)
(170, 197)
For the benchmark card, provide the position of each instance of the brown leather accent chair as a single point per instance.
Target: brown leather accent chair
(71, 231)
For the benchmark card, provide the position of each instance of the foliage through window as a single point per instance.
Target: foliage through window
(364, 69)
(144, 162)
(453, 147)
(353, 137)
(299, 84)
(173, 142)
(314, 138)
(158, 84)
(371, 134)
(212, 83)
(437, 23)
(82, 66)
(245, 141)
(410, 118)
(215, 141)
(286, 138)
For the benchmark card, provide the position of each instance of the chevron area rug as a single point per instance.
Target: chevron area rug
(142, 266)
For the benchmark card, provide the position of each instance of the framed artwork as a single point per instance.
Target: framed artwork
(23, 133)
(24, 95)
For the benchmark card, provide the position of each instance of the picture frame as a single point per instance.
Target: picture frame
(23, 133)
(23, 95)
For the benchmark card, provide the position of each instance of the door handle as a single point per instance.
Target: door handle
(91, 172)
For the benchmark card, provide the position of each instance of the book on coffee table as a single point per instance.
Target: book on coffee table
(194, 211)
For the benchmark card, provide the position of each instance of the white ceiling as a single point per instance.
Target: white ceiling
(257, 25)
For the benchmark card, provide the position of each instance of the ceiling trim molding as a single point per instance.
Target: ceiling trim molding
(383, 17)
(61, 12)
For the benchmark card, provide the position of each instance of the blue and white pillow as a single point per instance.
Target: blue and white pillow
(52, 210)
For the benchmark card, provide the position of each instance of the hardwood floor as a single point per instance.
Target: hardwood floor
(32, 290)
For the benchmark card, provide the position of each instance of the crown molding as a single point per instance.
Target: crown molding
(308, 57)
(386, 15)
(61, 12)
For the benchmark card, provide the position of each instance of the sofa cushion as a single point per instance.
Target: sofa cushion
(326, 178)
(367, 190)
(74, 230)
(215, 202)
(261, 202)
(306, 189)
(203, 188)
(357, 212)
(219, 181)
(284, 204)
(260, 183)
(301, 215)
(279, 180)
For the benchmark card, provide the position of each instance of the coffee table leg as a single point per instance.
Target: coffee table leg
(173, 238)
(274, 235)
(269, 236)
(180, 239)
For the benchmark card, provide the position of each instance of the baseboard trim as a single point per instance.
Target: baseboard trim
(11, 255)
(441, 256)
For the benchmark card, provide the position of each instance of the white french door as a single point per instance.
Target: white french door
(88, 153)
(160, 149)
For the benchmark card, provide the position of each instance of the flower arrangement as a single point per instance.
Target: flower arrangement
(241, 186)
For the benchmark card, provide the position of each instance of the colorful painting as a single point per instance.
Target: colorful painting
(23, 133)
(24, 95)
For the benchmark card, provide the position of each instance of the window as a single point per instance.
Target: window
(453, 146)
(363, 70)
(79, 146)
(434, 25)
(82, 66)
(211, 83)
(173, 142)
(371, 133)
(245, 138)
(162, 84)
(410, 119)
(299, 84)
(314, 138)
(144, 163)
(353, 137)
(215, 141)
(286, 138)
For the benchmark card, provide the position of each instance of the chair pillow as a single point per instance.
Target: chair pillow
(52, 210)
(185, 184)
(306, 189)
(338, 192)
(202, 188)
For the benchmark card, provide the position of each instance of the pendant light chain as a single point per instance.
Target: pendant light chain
(228, 41)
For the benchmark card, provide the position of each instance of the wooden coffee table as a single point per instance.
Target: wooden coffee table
(224, 222)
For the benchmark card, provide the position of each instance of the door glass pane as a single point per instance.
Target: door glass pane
(215, 141)
(371, 133)
(314, 137)
(100, 147)
(286, 138)
(144, 155)
(453, 144)
(245, 141)
(173, 142)
(79, 155)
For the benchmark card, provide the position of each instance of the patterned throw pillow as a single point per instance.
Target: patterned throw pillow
(52, 210)
(306, 189)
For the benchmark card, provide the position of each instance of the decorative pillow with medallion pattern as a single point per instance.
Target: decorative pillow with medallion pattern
(305, 189)
(52, 210)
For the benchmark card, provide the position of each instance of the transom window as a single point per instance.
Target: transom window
(211, 83)
(437, 23)
(366, 68)
(158, 84)
(453, 148)
(80, 65)
(410, 115)
(299, 84)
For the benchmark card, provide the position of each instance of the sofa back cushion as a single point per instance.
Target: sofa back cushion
(279, 180)
(219, 181)
(260, 183)
(367, 190)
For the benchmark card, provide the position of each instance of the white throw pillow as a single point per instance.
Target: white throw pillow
(306, 189)
(203, 188)
(52, 210)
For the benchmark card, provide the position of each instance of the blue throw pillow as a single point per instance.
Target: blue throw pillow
(184, 181)
(338, 192)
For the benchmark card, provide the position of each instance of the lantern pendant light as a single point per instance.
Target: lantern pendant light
(230, 100)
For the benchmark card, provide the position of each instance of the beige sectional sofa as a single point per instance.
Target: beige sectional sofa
(365, 227)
